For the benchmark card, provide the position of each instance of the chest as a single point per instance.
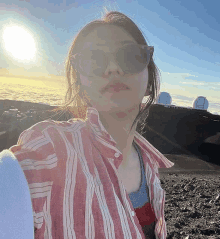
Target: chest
(130, 175)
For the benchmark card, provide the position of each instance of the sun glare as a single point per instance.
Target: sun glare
(19, 43)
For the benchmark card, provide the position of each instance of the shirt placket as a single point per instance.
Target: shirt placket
(128, 210)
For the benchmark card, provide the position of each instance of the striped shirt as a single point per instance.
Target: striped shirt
(71, 170)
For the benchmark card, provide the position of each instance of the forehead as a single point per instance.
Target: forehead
(107, 35)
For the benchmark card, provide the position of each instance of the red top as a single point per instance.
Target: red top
(145, 214)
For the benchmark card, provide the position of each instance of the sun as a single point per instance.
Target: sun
(19, 43)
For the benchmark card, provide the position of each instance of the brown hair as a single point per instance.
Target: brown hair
(79, 104)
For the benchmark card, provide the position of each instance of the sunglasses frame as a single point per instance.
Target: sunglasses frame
(75, 58)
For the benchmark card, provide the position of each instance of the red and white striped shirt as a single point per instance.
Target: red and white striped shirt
(71, 169)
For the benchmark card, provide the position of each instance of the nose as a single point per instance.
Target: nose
(113, 69)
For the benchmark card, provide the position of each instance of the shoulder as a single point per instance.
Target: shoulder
(42, 140)
(156, 158)
(32, 138)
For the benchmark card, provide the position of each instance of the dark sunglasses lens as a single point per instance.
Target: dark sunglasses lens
(93, 63)
(132, 59)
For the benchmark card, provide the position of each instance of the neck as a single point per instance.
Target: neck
(118, 125)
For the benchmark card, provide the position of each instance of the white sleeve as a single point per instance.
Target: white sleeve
(16, 215)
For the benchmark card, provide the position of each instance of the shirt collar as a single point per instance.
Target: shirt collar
(96, 125)
(98, 131)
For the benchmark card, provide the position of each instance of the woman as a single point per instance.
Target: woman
(94, 176)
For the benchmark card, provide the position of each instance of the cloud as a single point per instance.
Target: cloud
(184, 80)
(167, 76)
(4, 71)
(22, 72)
(208, 85)
(179, 80)
(182, 97)
(192, 83)
(179, 74)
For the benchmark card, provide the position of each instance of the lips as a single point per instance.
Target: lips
(117, 85)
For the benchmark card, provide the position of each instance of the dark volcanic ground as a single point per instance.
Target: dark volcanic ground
(192, 207)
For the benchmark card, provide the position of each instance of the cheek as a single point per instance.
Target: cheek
(85, 81)
(143, 79)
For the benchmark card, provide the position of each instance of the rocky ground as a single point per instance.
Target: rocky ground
(192, 208)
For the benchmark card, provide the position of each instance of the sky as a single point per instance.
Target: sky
(185, 35)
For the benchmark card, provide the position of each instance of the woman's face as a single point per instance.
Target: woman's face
(109, 39)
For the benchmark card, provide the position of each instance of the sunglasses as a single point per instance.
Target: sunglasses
(131, 58)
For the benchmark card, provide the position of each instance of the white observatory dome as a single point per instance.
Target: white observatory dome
(164, 98)
(201, 103)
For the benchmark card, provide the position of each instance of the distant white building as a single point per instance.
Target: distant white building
(164, 98)
(201, 103)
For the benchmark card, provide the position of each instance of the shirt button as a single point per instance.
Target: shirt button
(117, 155)
(132, 213)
